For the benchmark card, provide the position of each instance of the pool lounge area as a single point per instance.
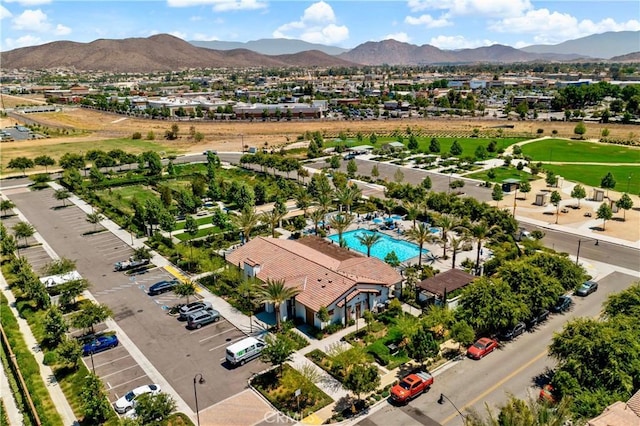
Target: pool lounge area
(403, 249)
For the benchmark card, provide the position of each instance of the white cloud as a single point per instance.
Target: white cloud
(62, 30)
(179, 34)
(428, 21)
(403, 37)
(29, 2)
(555, 27)
(485, 8)
(195, 18)
(316, 25)
(220, 5)
(31, 20)
(27, 40)
(4, 13)
(458, 42)
(204, 37)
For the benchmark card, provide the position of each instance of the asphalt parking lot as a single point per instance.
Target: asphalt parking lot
(177, 353)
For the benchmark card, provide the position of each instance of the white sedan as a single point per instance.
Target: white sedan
(128, 401)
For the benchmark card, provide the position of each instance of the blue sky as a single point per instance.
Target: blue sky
(447, 24)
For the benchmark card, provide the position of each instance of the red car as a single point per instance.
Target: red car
(482, 347)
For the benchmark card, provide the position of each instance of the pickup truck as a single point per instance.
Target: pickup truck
(126, 265)
(411, 386)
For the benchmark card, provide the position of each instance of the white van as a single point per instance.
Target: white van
(244, 350)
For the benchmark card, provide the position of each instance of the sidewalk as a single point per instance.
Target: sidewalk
(13, 413)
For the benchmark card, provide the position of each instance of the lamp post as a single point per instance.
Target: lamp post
(629, 181)
(441, 401)
(200, 380)
(580, 242)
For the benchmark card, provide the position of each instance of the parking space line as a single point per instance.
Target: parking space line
(128, 381)
(227, 343)
(121, 370)
(215, 335)
(113, 360)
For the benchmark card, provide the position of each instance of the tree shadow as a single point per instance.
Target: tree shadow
(597, 228)
(543, 378)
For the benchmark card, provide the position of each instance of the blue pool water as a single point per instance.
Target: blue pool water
(404, 249)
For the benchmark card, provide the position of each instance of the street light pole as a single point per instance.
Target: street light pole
(580, 242)
(200, 380)
(441, 401)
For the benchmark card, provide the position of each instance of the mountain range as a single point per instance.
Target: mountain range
(271, 46)
(605, 45)
(166, 53)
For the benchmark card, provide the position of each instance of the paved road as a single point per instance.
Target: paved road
(517, 367)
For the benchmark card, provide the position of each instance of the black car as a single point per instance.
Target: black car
(513, 332)
(587, 288)
(162, 287)
(563, 304)
(540, 316)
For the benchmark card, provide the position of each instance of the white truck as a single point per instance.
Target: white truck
(54, 280)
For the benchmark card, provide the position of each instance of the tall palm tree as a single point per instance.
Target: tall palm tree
(272, 218)
(369, 240)
(446, 223)
(420, 234)
(317, 216)
(276, 292)
(413, 210)
(325, 199)
(303, 200)
(348, 196)
(456, 245)
(247, 220)
(479, 231)
(340, 223)
(389, 205)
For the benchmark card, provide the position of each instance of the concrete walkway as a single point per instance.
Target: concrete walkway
(11, 408)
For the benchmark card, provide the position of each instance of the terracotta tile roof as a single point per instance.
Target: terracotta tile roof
(450, 280)
(322, 279)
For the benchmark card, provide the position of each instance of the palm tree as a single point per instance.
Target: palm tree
(272, 218)
(23, 230)
(303, 200)
(446, 223)
(317, 216)
(185, 289)
(340, 223)
(413, 210)
(325, 199)
(247, 220)
(389, 205)
(276, 292)
(6, 205)
(420, 234)
(369, 240)
(348, 196)
(456, 245)
(479, 231)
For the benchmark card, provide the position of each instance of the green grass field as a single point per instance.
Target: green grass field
(580, 151)
(592, 175)
(123, 196)
(502, 173)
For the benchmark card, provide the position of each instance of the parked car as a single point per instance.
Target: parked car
(99, 344)
(202, 317)
(192, 308)
(587, 288)
(563, 304)
(128, 401)
(210, 151)
(513, 332)
(537, 318)
(482, 347)
(411, 386)
(162, 287)
(547, 393)
(126, 265)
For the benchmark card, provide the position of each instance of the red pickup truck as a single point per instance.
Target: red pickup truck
(411, 386)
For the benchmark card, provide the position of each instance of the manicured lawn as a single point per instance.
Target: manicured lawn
(122, 197)
(580, 151)
(592, 175)
(183, 236)
(206, 220)
(502, 173)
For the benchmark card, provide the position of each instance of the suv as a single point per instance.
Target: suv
(162, 287)
(202, 317)
(192, 308)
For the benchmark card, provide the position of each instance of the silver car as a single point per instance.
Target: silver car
(193, 307)
(203, 317)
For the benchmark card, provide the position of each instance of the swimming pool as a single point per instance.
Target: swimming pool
(403, 249)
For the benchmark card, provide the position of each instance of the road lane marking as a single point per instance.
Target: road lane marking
(494, 387)
(217, 334)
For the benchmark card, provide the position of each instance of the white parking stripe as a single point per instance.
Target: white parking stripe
(215, 335)
(113, 360)
(120, 371)
(227, 343)
(129, 381)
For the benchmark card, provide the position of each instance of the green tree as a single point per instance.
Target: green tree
(551, 179)
(55, 325)
(556, 198)
(69, 291)
(434, 146)
(462, 333)
(340, 223)
(272, 218)
(422, 345)
(532, 285)
(72, 161)
(185, 289)
(413, 142)
(247, 221)
(497, 195)
(398, 175)
(95, 218)
(480, 232)
(608, 182)
(625, 203)
(154, 409)
(70, 352)
(391, 259)
(6, 205)
(420, 234)
(352, 168)
(525, 188)
(62, 195)
(369, 240)
(323, 315)
(375, 173)
(456, 148)
(578, 192)
(580, 129)
(361, 379)
(481, 152)
(21, 163)
(167, 222)
(517, 412)
(334, 162)
(91, 315)
(276, 292)
(278, 350)
(23, 230)
(94, 400)
(44, 161)
(605, 213)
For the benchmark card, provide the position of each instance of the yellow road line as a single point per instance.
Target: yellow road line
(494, 387)
(173, 271)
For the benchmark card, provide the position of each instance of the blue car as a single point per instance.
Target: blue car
(162, 287)
(100, 344)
